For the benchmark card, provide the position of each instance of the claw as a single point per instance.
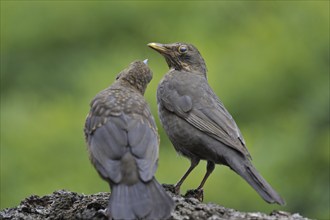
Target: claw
(172, 188)
(195, 193)
(177, 190)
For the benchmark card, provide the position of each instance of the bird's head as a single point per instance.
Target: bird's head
(137, 74)
(181, 56)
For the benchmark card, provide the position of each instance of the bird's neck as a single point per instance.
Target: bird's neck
(131, 83)
(200, 66)
(198, 70)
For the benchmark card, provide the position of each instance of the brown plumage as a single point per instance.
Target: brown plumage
(123, 145)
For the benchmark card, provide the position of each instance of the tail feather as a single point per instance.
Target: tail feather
(246, 170)
(263, 187)
(162, 202)
(140, 201)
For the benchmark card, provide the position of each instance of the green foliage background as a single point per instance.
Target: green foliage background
(268, 61)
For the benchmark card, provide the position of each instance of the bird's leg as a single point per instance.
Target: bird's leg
(209, 169)
(193, 163)
(198, 193)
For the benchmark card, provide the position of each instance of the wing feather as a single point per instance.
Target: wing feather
(201, 108)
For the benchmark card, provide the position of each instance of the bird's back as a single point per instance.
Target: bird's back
(123, 146)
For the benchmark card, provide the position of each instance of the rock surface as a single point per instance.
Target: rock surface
(64, 204)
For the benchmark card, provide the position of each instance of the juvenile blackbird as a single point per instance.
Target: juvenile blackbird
(123, 142)
(198, 124)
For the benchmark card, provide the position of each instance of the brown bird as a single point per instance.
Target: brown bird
(197, 122)
(123, 146)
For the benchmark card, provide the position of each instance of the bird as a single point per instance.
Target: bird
(198, 124)
(123, 145)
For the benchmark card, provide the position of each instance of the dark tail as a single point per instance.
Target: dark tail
(140, 201)
(246, 170)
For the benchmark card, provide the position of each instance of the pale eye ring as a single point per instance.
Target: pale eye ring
(183, 49)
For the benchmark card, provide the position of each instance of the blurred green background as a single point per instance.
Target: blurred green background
(267, 61)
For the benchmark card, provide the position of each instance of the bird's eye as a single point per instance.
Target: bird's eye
(183, 49)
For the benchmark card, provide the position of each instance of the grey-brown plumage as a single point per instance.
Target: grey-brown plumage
(123, 145)
(198, 124)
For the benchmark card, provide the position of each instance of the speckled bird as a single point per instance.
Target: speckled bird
(123, 146)
(198, 124)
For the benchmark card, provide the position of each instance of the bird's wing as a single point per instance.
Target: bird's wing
(180, 104)
(206, 114)
(144, 141)
(232, 124)
(110, 141)
(107, 146)
(215, 124)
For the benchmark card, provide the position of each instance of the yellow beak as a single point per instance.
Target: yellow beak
(158, 47)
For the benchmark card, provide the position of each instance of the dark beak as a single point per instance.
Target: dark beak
(161, 48)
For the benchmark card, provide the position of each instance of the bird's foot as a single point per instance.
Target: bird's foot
(195, 193)
(172, 188)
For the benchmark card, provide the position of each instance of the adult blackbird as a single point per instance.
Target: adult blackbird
(198, 124)
(123, 145)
